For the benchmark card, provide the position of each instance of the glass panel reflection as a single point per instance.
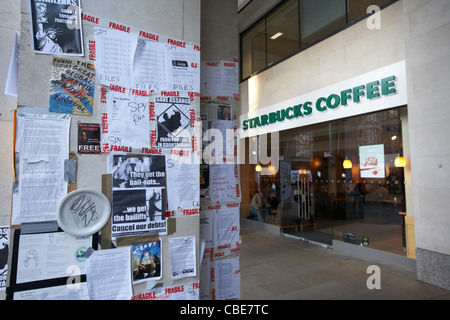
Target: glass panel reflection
(253, 50)
(358, 8)
(319, 18)
(296, 24)
(282, 32)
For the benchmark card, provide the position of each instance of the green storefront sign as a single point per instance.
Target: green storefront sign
(371, 90)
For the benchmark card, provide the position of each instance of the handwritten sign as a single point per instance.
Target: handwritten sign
(83, 212)
(222, 183)
(128, 121)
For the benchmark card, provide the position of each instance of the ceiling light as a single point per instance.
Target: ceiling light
(276, 35)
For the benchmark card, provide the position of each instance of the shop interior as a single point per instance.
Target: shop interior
(340, 180)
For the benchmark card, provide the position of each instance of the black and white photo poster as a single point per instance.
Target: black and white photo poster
(56, 27)
(139, 194)
(175, 118)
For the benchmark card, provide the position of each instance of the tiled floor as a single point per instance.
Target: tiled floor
(282, 268)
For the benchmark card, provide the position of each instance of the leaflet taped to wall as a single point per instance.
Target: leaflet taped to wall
(125, 60)
(56, 27)
(139, 194)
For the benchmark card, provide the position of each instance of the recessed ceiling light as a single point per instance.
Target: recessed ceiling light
(276, 35)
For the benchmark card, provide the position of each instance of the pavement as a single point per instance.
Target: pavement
(276, 267)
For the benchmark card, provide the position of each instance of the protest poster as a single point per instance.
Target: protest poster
(226, 230)
(139, 194)
(56, 27)
(114, 54)
(89, 138)
(183, 193)
(137, 212)
(126, 60)
(72, 87)
(147, 261)
(4, 250)
(175, 117)
(159, 66)
(128, 122)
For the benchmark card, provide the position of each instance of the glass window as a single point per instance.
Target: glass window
(288, 28)
(319, 18)
(282, 32)
(313, 196)
(253, 48)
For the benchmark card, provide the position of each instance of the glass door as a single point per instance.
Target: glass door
(305, 210)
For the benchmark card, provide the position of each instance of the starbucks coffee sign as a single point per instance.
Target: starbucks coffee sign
(377, 90)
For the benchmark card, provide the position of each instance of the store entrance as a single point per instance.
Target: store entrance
(313, 222)
(339, 181)
(307, 208)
